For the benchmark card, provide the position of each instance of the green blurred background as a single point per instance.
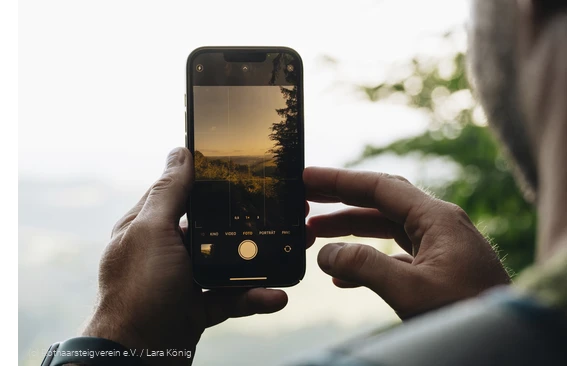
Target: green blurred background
(483, 184)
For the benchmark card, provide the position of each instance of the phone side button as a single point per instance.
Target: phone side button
(186, 142)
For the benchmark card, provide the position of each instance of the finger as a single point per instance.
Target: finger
(168, 196)
(130, 215)
(184, 225)
(310, 236)
(403, 257)
(394, 196)
(345, 284)
(223, 304)
(392, 279)
(184, 233)
(184, 228)
(322, 198)
(364, 222)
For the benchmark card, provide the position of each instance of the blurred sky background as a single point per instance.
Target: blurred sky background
(101, 89)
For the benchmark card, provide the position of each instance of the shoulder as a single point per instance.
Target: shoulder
(521, 324)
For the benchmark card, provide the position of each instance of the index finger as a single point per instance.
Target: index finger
(392, 195)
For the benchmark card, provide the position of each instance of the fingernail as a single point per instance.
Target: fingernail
(328, 255)
(176, 157)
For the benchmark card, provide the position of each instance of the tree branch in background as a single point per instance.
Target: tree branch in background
(483, 186)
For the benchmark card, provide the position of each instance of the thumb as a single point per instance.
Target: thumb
(168, 196)
(391, 278)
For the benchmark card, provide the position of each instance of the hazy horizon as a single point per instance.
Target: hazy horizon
(235, 120)
(236, 156)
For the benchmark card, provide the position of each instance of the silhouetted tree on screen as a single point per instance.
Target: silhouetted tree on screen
(285, 133)
(286, 150)
(285, 136)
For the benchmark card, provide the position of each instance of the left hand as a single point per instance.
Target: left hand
(147, 298)
(447, 258)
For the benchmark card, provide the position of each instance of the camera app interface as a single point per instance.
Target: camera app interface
(247, 200)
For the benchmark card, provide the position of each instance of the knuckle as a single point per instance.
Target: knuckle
(382, 180)
(118, 226)
(400, 178)
(137, 229)
(421, 218)
(385, 177)
(456, 211)
(169, 182)
(176, 153)
(353, 257)
(121, 224)
(163, 183)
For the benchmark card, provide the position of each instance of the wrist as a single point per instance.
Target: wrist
(106, 325)
(150, 342)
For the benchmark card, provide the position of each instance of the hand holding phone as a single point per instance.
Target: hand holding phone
(244, 127)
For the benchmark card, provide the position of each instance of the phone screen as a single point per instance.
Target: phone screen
(246, 211)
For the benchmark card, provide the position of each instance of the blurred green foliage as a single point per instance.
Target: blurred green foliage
(483, 186)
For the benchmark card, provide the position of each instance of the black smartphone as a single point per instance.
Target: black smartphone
(244, 126)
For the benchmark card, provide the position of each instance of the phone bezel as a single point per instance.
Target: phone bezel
(296, 269)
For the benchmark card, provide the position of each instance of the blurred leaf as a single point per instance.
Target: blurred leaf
(484, 186)
(373, 92)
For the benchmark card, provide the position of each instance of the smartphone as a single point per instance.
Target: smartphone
(244, 125)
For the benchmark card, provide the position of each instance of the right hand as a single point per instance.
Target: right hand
(147, 299)
(448, 259)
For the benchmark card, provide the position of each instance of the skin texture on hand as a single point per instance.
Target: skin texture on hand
(448, 259)
(147, 298)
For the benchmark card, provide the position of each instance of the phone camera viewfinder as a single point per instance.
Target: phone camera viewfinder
(199, 68)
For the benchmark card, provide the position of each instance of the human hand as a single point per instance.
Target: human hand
(147, 298)
(448, 259)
